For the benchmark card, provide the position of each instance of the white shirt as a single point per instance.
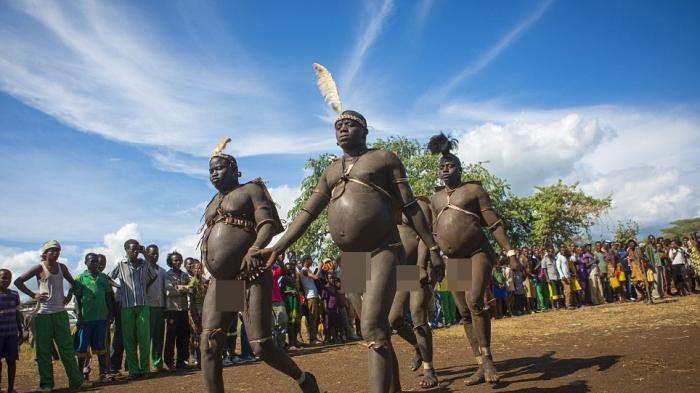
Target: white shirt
(563, 266)
(676, 256)
(310, 290)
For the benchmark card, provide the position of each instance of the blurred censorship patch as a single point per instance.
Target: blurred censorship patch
(230, 295)
(459, 274)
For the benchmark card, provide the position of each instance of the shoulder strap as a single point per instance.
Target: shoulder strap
(279, 226)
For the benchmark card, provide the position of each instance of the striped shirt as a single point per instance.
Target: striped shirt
(133, 281)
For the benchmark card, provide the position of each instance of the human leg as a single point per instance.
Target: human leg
(157, 322)
(128, 317)
(419, 301)
(377, 301)
(258, 321)
(64, 344)
(43, 341)
(182, 338)
(212, 338)
(170, 336)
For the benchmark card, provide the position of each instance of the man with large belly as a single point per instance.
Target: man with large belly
(421, 336)
(459, 209)
(239, 221)
(364, 190)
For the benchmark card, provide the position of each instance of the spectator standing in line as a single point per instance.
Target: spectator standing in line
(134, 276)
(639, 277)
(587, 262)
(10, 328)
(510, 288)
(308, 282)
(198, 287)
(92, 308)
(602, 263)
(595, 284)
(678, 263)
(177, 330)
(290, 294)
(541, 283)
(447, 302)
(519, 292)
(650, 254)
(528, 282)
(156, 303)
(279, 312)
(626, 271)
(331, 303)
(562, 266)
(550, 269)
(51, 322)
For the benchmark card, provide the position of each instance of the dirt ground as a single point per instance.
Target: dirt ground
(610, 348)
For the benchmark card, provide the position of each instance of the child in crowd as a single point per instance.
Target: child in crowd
(329, 294)
(10, 328)
(499, 289)
(92, 307)
(198, 287)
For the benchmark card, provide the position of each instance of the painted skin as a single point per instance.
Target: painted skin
(421, 336)
(461, 235)
(361, 219)
(228, 253)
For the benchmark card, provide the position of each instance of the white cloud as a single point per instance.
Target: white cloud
(368, 35)
(529, 153)
(113, 243)
(103, 68)
(490, 55)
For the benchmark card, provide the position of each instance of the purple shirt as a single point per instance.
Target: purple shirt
(9, 307)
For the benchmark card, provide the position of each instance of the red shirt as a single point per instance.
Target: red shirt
(276, 274)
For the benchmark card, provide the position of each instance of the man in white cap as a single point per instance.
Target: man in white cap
(51, 321)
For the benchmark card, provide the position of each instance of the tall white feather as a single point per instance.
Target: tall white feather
(328, 88)
(220, 147)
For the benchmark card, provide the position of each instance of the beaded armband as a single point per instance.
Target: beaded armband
(493, 226)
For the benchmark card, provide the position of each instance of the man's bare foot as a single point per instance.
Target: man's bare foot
(490, 373)
(477, 377)
(416, 361)
(309, 385)
(429, 379)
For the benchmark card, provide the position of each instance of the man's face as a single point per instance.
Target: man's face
(5, 279)
(92, 263)
(132, 250)
(307, 262)
(176, 262)
(562, 249)
(450, 171)
(52, 254)
(196, 269)
(651, 239)
(152, 253)
(598, 245)
(101, 263)
(350, 134)
(222, 173)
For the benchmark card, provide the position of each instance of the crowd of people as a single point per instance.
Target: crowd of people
(154, 316)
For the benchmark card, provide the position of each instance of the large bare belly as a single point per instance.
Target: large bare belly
(361, 219)
(226, 247)
(458, 234)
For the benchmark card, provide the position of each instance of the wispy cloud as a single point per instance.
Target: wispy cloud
(367, 37)
(490, 55)
(107, 69)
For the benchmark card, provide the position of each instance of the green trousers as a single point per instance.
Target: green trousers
(50, 328)
(157, 335)
(449, 308)
(543, 296)
(136, 331)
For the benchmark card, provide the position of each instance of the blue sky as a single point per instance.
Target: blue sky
(108, 111)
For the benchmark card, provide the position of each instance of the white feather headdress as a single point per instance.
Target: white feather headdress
(329, 90)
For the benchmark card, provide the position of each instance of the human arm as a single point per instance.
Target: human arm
(20, 284)
(488, 214)
(69, 278)
(416, 215)
(317, 201)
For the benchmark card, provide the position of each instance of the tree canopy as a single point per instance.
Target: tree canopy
(626, 230)
(681, 228)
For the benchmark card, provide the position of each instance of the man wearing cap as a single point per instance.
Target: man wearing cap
(51, 323)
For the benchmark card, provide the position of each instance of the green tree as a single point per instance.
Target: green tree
(681, 228)
(562, 211)
(626, 230)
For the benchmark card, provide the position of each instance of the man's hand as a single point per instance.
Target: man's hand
(436, 270)
(41, 297)
(255, 262)
(423, 276)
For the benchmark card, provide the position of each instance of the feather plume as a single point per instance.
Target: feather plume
(326, 84)
(442, 143)
(220, 147)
